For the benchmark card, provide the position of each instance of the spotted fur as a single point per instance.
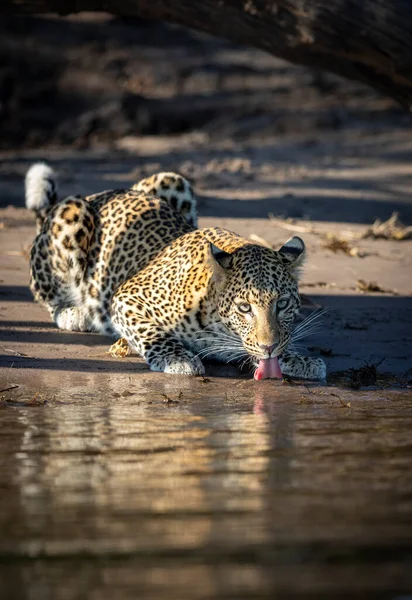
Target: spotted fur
(131, 264)
(173, 188)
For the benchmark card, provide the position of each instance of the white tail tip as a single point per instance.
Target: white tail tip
(41, 187)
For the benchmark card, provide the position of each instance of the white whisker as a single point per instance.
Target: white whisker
(220, 350)
(305, 333)
(246, 360)
(308, 326)
(316, 316)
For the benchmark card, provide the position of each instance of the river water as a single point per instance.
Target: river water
(185, 488)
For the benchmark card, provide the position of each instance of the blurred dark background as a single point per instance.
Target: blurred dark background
(109, 100)
(92, 79)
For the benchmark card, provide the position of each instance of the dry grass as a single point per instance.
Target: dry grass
(392, 229)
(336, 244)
(372, 287)
(38, 399)
(364, 377)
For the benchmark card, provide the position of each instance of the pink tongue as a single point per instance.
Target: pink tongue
(268, 368)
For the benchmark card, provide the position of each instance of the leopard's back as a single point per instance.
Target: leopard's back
(87, 247)
(130, 230)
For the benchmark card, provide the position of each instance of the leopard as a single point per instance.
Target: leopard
(133, 264)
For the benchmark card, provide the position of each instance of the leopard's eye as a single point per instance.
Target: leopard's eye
(244, 307)
(282, 304)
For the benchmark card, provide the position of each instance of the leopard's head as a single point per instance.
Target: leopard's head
(258, 297)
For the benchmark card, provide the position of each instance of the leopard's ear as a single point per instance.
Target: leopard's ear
(220, 262)
(293, 254)
(224, 259)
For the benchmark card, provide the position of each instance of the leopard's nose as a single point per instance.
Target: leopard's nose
(268, 349)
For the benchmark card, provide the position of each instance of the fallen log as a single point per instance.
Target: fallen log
(366, 40)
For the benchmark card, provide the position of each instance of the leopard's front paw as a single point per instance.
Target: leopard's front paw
(316, 369)
(177, 365)
(302, 367)
(180, 366)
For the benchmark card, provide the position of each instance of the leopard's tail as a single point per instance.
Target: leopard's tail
(41, 191)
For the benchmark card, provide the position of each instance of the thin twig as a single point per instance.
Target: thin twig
(260, 240)
(12, 387)
(14, 352)
(290, 226)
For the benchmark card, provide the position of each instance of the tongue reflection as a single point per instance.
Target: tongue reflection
(268, 368)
